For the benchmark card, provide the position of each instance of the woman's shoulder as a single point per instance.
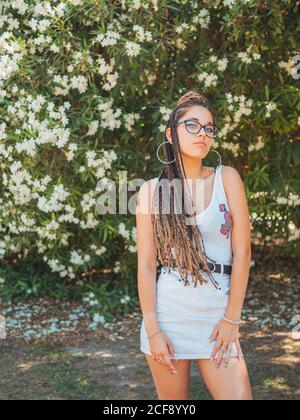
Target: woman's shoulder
(229, 173)
(231, 179)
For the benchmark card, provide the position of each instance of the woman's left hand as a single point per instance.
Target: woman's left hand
(226, 335)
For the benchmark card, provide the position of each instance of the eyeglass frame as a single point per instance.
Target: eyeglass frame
(201, 126)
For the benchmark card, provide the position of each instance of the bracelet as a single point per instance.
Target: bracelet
(154, 334)
(231, 321)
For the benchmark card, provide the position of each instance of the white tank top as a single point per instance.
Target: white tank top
(215, 224)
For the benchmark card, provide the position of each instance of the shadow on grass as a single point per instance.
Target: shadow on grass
(113, 370)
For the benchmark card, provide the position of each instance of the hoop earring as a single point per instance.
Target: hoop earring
(220, 157)
(166, 163)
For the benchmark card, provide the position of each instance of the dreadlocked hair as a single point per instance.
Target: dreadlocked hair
(171, 230)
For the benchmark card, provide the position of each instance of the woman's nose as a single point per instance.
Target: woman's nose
(202, 132)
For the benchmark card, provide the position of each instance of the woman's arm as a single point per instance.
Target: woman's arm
(147, 257)
(240, 239)
(225, 333)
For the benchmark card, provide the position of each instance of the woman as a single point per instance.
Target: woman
(194, 309)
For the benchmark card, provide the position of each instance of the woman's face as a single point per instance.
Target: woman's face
(187, 140)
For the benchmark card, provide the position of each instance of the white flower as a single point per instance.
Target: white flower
(93, 302)
(76, 258)
(110, 38)
(132, 248)
(222, 64)
(202, 19)
(294, 232)
(122, 230)
(130, 120)
(229, 2)
(181, 28)
(209, 79)
(141, 34)
(132, 48)
(117, 267)
(98, 319)
(125, 299)
(271, 106)
(244, 57)
(110, 118)
(248, 56)
(259, 145)
(54, 48)
(75, 2)
(93, 127)
(166, 112)
(289, 67)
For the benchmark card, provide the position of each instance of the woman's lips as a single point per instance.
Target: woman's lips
(200, 144)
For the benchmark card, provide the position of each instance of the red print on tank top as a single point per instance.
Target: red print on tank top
(226, 227)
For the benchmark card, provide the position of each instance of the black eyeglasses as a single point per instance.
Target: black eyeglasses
(194, 127)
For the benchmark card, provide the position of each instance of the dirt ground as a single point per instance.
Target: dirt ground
(106, 365)
(103, 369)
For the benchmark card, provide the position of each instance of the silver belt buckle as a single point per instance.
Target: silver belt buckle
(214, 266)
(222, 268)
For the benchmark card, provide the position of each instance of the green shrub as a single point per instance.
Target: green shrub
(86, 87)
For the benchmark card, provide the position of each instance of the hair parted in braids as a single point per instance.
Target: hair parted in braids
(171, 231)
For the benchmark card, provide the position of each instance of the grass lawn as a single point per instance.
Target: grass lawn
(109, 368)
(108, 365)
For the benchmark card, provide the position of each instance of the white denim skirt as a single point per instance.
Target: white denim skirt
(189, 314)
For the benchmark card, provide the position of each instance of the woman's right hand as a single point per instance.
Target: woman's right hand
(161, 349)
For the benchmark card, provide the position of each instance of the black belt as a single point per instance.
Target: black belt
(217, 268)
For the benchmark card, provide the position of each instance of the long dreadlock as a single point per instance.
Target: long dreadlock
(171, 230)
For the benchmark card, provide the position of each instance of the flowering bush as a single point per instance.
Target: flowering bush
(86, 87)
